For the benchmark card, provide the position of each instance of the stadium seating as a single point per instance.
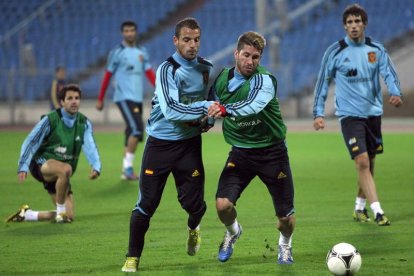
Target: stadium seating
(77, 33)
(72, 33)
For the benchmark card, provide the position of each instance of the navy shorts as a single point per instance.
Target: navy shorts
(362, 135)
(50, 187)
(270, 164)
(132, 114)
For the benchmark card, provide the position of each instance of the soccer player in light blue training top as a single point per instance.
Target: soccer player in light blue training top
(356, 62)
(128, 63)
(51, 153)
(174, 141)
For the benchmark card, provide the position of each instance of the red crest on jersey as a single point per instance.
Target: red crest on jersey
(372, 57)
(141, 58)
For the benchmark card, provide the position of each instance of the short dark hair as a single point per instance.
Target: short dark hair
(188, 22)
(128, 23)
(58, 68)
(69, 87)
(253, 39)
(355, 10)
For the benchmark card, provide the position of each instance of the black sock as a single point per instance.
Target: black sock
(195, 218)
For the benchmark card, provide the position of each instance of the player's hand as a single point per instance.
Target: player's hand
(206, 124)
(99, 105)
(319, 123)
(94, 175)
(216, 110)
(396, 101)
(22, 176)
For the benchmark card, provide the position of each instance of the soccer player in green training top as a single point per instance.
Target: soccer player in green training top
(254, 127)
(51, 153)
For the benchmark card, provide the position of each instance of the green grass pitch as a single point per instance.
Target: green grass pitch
(325, 186)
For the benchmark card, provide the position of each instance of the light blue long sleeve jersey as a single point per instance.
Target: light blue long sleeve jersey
(180, 98)
(262, 91)
(128, 66)
(42, 129)
(356, 68)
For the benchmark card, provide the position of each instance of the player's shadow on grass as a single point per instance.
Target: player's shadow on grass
(39, 229)
(103, 216)
(246, 265)
(121, 187)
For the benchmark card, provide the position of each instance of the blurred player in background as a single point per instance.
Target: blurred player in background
(356, 62)
(128, 63)
(254, 127)
(57, 84)
(174, 141)
(51, 153)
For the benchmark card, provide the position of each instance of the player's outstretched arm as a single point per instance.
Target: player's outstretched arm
(105, 83)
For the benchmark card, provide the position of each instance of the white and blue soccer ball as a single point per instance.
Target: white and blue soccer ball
(343, 259)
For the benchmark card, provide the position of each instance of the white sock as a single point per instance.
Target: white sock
(197, 228)
(360, 203)
(128, 160)
(60, 208)
(285, 240)
(31, 215)
(233, 228)
(376, 208)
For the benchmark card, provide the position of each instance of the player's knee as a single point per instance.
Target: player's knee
(145, 210)
(139, 214)
(286, 222)
(65, 170)
(362, 162)
(224, 205)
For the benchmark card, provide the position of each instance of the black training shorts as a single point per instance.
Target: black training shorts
(270, 164)
(132, 114)
(362, 135)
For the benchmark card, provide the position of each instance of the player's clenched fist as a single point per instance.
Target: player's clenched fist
(216, 110)
(319, 123)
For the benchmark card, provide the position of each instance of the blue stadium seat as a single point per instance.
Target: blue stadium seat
(60, 38)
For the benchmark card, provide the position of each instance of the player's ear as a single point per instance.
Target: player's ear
(175, 41)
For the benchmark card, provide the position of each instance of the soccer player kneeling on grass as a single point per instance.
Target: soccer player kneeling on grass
(254, 127)
(51, 153)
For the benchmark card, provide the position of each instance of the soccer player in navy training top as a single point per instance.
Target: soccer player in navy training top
(51, 153)
(253, 125)
(356, 62)
(128, 63)
(174, 141)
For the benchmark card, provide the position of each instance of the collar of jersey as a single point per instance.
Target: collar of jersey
(352, 43)
(183, 61)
